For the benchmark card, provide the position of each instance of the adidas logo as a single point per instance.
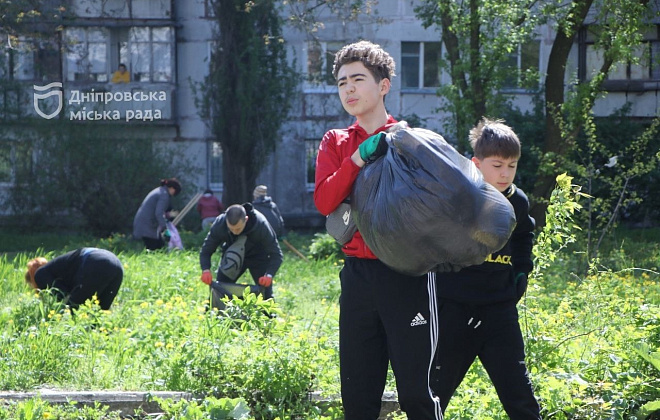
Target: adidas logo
(418, 320)
(347, 216)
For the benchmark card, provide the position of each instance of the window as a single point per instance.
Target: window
(522, 66)
(420, 65)
(93, 54)
(644, 66)
(31, 60)
(151, 54)
(320, 60)
(86, 54)
(215, 166)
(209, 11)
(311, 150)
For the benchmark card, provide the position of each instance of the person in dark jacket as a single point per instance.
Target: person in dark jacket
(248, 242)
(150, 222)
(263, 203)
(477, 305)
(78, 275)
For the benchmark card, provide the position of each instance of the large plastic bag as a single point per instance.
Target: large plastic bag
(425, 207)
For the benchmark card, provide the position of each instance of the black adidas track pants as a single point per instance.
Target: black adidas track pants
(386, 317)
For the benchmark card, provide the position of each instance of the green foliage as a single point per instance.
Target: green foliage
(263, 356)
(87, 172)
(478, 49)
(216, 408)
(159, 335)
(248, 92)
(559, 229)
(653, 357)
(619, 174)
(636, 146)
(325, 246)
(37, 409)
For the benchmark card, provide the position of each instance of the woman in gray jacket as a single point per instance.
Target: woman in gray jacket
(150, 220)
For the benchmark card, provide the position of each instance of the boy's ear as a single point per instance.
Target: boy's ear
(477, 162)
(385, 85)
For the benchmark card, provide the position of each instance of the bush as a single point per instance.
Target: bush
(89, 173)
(324, 246)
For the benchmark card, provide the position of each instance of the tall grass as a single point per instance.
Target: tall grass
(159, 335)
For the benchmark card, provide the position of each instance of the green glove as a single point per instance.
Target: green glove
(373, 147)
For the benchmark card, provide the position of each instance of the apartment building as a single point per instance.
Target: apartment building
(165, 46)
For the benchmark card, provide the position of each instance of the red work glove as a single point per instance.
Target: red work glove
(266, 280)
(207, 277)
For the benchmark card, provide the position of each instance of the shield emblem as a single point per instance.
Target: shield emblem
(38, 96)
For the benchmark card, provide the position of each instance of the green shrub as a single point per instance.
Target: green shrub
(91, 174)
(324, 247)
(580, 330)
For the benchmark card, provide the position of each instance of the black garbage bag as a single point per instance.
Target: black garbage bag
(423, 206)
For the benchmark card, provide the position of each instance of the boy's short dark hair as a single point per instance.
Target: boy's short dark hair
(375, 59)
(494, 138)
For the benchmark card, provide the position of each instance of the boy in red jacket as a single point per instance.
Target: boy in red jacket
(385, 317)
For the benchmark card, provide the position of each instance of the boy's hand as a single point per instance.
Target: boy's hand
(521, 285)
(373, 147)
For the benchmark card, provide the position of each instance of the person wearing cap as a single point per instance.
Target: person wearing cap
(209, 207)
(248, 242)
(78, 275)
(266, 206)
(150, 222)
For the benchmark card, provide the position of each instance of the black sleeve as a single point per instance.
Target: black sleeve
(218, 234)
(522, 238)
(60, 272)
(271, 246)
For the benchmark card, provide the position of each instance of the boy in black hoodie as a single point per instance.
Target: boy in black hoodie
(477, 313)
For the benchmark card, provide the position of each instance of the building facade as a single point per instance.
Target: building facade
(165, 46)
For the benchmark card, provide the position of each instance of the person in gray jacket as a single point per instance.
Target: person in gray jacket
(248, 242)
(150, 222)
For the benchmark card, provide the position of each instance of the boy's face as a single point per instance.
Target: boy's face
(497, 171)
(359, 92)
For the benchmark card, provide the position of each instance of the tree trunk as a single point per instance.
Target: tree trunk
(554, 143)
(238, 181)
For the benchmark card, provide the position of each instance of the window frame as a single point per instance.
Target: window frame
(650, 48)
(326, 82)
(311, 152)
(31, 49)
(519, 87)
(120, 49)
(421, 67)
(214, 164)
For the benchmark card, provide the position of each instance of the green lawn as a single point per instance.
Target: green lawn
(581, 330)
